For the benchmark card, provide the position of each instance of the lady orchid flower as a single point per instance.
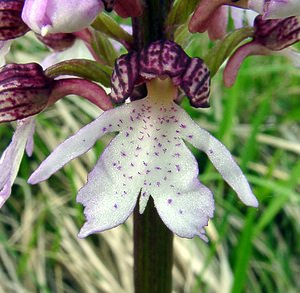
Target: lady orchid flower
(149, 156)
(272, 36)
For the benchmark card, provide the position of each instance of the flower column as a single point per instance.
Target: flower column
(153, 241)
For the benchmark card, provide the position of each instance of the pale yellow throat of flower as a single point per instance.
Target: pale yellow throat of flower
(161, 89)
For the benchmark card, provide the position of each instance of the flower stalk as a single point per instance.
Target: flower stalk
(153, 241)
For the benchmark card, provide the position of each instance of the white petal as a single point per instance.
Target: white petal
(222, 160)
(11, 158)
(107, 199)
(76, 145)
(186, 211)
(147, 156)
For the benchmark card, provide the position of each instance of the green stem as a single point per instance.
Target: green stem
(153, 241)
(153, 252)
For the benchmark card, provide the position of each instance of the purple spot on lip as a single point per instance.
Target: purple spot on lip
(169, 201)
(115, 206)
(182, 125)
(178, 168)
(104, 129)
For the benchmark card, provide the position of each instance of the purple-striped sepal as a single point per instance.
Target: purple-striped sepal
(24, 91)
(271, 36)
(11, 23)
(58, 42)
(277, 34)
(159, 59)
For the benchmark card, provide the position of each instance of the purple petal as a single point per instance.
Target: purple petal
(53, 16)
(217, 27)
(277, 34)
(124, 77)
(196, 83)
(235, 61)
(163, 58)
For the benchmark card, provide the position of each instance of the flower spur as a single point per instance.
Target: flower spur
(148, 156)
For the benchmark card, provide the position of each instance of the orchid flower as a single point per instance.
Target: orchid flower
(272, 36)
(276, 8)
(217, 23)
(206, 13)
(24, 92)
(54, 16)
(149, 156)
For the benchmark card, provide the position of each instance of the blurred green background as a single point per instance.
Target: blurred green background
(249, 250)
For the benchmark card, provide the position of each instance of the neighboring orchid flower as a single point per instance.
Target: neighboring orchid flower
(148, 156)
(64, 16)
(276, 8)
(271, 36)
(217, 23)
(206, 12)
(60, 16)
(24, 92)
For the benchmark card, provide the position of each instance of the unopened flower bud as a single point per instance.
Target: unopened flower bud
(62, 16)
(24, 91)
(11, 23)
(57, 42)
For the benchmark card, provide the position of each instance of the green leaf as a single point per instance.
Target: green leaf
(181, 12)
(86, 69)
(103, 48)
(107, 25)
(215, 58)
